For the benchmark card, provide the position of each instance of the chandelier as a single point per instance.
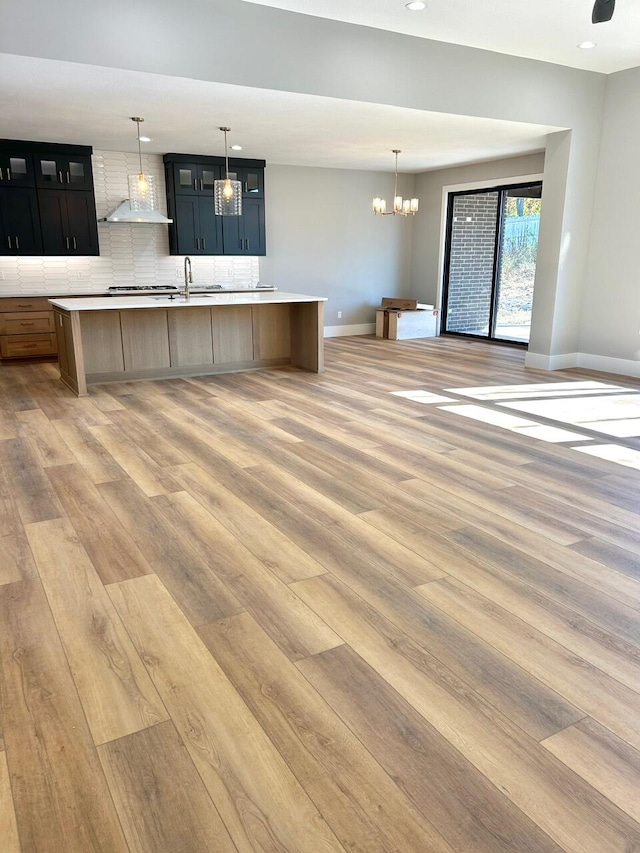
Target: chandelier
(401, 207)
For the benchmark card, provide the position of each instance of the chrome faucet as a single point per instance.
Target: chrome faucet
(188, 278)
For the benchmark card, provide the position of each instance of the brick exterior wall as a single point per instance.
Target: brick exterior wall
(471, 262)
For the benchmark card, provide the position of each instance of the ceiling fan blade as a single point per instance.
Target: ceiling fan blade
(602, 11)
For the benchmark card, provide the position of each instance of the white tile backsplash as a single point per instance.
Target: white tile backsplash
(129, 254)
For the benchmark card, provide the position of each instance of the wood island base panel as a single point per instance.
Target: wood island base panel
(111, 340)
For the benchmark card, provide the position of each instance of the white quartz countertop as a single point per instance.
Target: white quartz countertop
(122, 303)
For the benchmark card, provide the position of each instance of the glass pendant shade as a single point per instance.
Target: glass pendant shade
(227, 197)
(142, 192)
(227, 194)
(142, 188)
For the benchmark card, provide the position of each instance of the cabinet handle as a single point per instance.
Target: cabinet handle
(28, 324)
(68, 178)
(17, 243)
(1, 177)
(60, 177)
(67, 241)
(29, 346)
(197, 242)
(201, 185)
(195, 184)
(8, 173)
(74, 243)
(204, 244)
(247, 244)
(25, 306)
(9, 242)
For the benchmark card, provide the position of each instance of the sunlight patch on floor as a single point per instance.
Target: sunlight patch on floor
(613, 453)
(422, 396)
(597, 413)
(496, 393)
(514, 423)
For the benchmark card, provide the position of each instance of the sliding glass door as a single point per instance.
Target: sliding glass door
(490, 262)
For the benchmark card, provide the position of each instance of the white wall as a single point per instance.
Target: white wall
(323, 239)
(426, 277)
(610, 322)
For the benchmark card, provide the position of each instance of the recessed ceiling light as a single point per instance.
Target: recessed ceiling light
(416, 5)
(586, 45)
(145, 139)
(236, 147)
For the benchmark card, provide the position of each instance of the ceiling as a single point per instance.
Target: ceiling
(548, 30)
(57, 101)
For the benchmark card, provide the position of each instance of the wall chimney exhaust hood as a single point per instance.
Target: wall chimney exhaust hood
(125, 213)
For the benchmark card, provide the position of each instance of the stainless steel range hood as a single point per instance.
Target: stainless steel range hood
(124, 213)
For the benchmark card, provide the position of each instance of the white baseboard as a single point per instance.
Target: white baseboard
(608, 364)
(604, 363)
(343, 331)
(539, 361)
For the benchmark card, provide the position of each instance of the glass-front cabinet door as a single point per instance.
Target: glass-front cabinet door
(252, 181)
(16, 169)
(63, 170)
(185, 177)
(194, 179)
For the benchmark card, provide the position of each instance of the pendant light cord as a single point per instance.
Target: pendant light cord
(226, 151)
(395, 185)
(139, 147)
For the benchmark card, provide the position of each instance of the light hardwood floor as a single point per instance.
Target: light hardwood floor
(280, 611)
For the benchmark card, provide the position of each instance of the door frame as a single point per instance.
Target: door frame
(449, 194)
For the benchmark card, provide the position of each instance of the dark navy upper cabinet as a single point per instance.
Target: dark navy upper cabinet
(252, 180)
(16, 166)
(245, 235)
(55, 169)
(196, 229)
(194, 178)
(47, 202)
(68, 226)
(19, 222)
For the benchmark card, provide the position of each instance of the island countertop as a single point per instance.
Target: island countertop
(211, 300)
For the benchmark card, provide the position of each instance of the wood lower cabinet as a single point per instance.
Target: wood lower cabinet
(26, 327)
(154, 343)
(145, 339)
(232, 334)
(190, 337)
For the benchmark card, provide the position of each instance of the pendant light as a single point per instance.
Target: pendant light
(227, 194)
(142, 189)
(401, 207)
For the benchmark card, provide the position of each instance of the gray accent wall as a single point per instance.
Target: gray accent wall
(323, 239)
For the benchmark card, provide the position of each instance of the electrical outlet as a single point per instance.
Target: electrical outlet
(79, 276)
(1, 276)
(339, 315)
(178, 272)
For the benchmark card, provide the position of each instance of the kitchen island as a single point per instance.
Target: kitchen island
(113, 339)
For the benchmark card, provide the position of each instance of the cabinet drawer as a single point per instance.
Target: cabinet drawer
(23, 346)
(28, 322)
(14, 304)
